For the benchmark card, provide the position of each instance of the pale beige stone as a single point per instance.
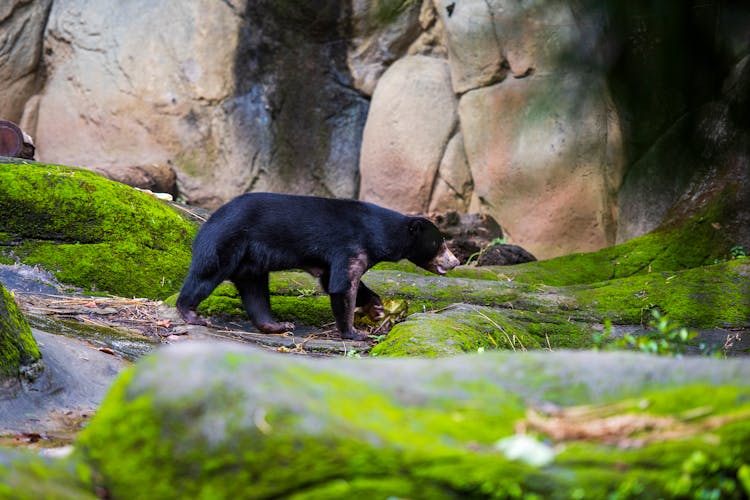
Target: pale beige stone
(411, 119)
(539, 158)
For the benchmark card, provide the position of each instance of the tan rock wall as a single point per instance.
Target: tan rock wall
(537, 140)
(476, 104)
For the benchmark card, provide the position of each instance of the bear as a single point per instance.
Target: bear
(335, 240)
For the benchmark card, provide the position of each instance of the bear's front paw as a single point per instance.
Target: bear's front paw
(354, 335)
(274, 327)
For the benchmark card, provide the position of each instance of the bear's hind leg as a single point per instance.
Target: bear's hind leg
(257, 303)
(192, 293)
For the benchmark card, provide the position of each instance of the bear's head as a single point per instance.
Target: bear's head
(427, 247)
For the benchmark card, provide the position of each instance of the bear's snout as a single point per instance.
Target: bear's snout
(443, 262)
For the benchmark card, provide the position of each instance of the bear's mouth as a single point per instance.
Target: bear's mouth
(443, 262)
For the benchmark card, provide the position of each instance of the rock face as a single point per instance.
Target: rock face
(532, 144)
(21, 28)
(264, 106)
(400, 158)
(573, 124)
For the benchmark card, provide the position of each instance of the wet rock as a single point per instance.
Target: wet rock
(467, 234)
(155, 177)
(504, 255)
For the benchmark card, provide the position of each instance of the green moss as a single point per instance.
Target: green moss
(17, 346)
(92, 232)
(313, 460)
(26, 476)
(325, 430)
(708, 296)
(465, 328)
(696, 242)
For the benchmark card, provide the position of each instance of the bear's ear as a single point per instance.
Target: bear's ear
(416, 226)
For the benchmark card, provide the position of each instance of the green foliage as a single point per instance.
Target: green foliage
(665, 337)
(737, 252)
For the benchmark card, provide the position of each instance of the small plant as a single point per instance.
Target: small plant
(306, 292)
(665, 337)
(737, 252)
(475, 256)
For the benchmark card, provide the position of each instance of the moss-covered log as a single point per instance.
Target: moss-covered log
(92, 232)
(218, 421)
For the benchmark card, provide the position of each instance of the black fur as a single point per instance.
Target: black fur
(336, 240)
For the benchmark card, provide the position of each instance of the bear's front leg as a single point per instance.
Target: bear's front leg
(342, 305)
(343, 285)
(370, 303)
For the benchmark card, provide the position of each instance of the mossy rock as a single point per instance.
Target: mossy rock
(19, 353)
(697, 241)
(92, 232)
(26, 476)
(556, 317)
(463, 328)
(221, 421)
(452, 315)
(703, 297)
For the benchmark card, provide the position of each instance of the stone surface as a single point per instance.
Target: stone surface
(504, 255)
(412, 117)
(121, 92)
(76, 378)
(540, 162)
(453, 183)
(21, 29)
(266, 106)
(381, 34)
(153, 177)
(537, 144)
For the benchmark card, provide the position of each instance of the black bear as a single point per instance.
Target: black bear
(334, 240)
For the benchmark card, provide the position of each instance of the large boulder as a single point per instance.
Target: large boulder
(540, 163)
(121, 92)
(92, 232)
(412, 118)
(214, 420)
